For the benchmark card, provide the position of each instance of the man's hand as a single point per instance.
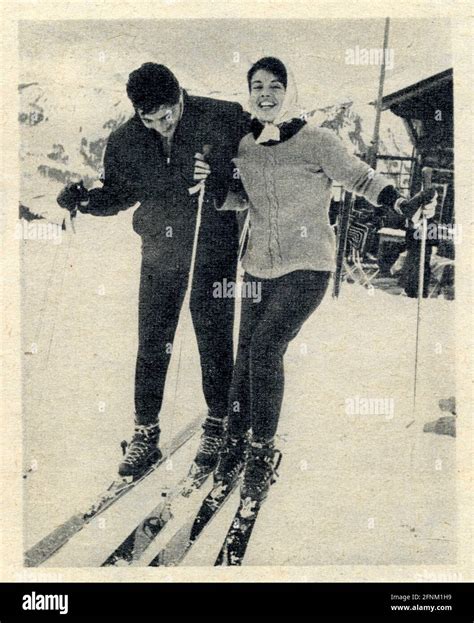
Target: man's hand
(201, 168)
(72, 195)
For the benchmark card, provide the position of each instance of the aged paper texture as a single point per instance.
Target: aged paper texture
(366, 395)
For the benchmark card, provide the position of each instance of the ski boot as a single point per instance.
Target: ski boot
(260, 471)
(232, 460)
(142, 453)
(205, 461)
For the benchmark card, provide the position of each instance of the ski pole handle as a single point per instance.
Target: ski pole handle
(428, 192)
(427, 175)
(206, 150)
(201, 189)
(200, 174)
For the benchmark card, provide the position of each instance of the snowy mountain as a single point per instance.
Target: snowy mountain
(64, 130)
(63, 134)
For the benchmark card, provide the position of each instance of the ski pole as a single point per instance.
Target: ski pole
(206, 150)
(201, 188)
(427, 173)
(45, 361)
(243, 236)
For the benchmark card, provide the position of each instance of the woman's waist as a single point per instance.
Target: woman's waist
(270, 245)
(305, 229)
(286, 209)
(272, 270)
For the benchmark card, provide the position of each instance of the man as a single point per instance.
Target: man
(155, 158)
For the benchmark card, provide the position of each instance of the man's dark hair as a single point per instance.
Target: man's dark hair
(271, 64)
(151, 86)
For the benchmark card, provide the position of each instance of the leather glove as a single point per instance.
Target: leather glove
(73, 194)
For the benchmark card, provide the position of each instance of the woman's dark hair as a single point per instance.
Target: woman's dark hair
(151, 86)
(271, 64)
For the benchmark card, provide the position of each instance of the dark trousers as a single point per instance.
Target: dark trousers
(160, 299)
(266, 329)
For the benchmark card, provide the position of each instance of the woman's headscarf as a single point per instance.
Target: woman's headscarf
(289, 111)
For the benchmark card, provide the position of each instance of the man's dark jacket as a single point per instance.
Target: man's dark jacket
(137, 170)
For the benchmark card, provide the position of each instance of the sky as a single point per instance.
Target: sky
(212, 56)
(81, 68)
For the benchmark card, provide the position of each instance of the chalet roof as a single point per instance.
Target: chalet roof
(419, 98)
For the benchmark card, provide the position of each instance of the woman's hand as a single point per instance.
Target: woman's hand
(201, 168)
(425, 199)
(427, 210)
(422, 204)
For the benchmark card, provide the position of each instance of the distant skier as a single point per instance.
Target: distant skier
(154, 159)
(286, 168)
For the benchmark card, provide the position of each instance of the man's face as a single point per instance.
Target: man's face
(164, 119)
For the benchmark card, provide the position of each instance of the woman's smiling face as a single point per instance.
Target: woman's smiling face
(266, 95)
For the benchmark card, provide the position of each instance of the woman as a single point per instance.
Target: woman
(286, 168)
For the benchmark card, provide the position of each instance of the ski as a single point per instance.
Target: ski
(237, 538)
(56, 539)
(141, 537)
(176, 549)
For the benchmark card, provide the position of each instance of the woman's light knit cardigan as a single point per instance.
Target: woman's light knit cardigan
(289, 189)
